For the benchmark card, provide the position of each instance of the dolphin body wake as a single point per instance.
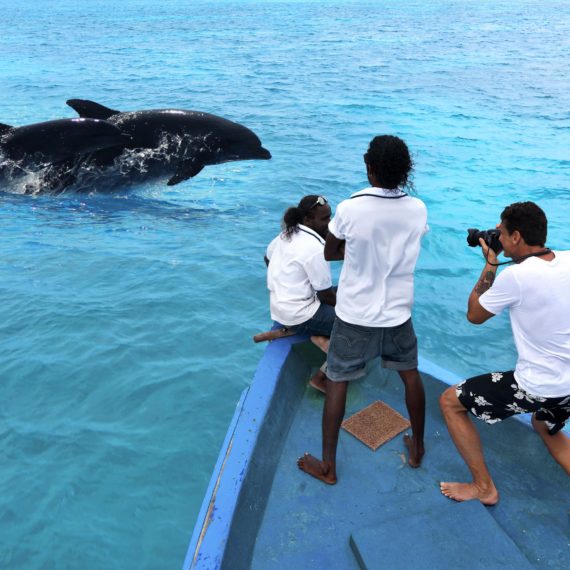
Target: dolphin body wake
(168, 143)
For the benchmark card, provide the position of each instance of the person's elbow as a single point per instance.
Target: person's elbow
(474, 318)
(328, 296)
(334, 248)
(334, 251)
(478, 315)
(329, 253)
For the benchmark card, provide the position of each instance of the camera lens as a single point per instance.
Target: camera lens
(490, 237)
(473, 235)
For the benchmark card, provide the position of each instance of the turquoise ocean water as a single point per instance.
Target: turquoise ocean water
(126, 318)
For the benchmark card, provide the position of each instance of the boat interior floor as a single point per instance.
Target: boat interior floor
(384, 514)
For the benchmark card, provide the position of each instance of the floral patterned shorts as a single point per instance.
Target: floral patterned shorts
(496, 396)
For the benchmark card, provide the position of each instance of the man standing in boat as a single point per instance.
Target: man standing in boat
(535, 291)
(377, 232)
(301, 295)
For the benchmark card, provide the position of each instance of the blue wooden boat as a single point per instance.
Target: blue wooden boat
(261, 512)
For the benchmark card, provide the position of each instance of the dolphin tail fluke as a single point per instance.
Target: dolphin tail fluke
(186, 170)
(91, 110)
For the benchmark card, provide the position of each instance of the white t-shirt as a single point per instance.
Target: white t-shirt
(537, 294)
(297, 270)
(383, 231)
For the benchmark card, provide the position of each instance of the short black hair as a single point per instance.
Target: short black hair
(528, 219)
(389, 160)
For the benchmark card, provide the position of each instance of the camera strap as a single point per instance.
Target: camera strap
(545, 251)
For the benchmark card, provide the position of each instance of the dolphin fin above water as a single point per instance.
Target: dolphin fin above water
(185, 170)
(91, 110)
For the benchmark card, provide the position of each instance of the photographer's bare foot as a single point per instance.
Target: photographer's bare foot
(316, 468)
(469, 491)
(415, 451)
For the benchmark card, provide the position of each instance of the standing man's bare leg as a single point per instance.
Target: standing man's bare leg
(558, 444)
(468, 443)
(333, 413)
(416, 405)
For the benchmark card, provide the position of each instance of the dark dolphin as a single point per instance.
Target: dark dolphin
(52, 151)
(51, 142)
(179, 143)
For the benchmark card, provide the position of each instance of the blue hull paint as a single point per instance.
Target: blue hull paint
(260, 422)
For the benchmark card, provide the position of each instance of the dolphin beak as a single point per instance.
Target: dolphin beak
(264, 154)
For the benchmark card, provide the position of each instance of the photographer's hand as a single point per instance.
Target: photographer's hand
(488, 253)
(475, 312)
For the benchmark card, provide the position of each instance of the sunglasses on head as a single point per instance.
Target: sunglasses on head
(320, 201)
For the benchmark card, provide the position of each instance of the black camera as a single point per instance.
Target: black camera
(490, 237)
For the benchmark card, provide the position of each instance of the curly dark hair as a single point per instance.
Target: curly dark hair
(296, 214)
(528, 219)
(389, 160)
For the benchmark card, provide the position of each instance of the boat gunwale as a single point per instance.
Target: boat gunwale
(206, 510)
(212, 531)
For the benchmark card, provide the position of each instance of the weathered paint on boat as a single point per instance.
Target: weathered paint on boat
(261, 420)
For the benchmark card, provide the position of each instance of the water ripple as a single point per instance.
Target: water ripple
(126, 319)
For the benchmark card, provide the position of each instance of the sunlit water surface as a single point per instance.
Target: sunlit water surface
(126, 317)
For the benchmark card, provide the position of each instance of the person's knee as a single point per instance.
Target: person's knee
(449, 402)
(538, 425)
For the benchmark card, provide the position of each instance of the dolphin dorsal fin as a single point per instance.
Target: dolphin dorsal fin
(91, 110)
(5, 128)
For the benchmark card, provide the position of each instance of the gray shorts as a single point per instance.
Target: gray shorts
(352, 346)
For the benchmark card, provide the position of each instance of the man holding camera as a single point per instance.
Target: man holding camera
(535, 290)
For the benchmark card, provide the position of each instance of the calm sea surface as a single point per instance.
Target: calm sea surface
(126, 318)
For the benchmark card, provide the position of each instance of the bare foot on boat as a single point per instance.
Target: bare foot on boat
(318, 469)
(415, 451)
(319, 381)
(469, 491)
(321, 341)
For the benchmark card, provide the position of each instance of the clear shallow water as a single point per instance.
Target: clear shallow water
(126, 318)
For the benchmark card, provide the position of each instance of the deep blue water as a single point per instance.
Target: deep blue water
(126, 318)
